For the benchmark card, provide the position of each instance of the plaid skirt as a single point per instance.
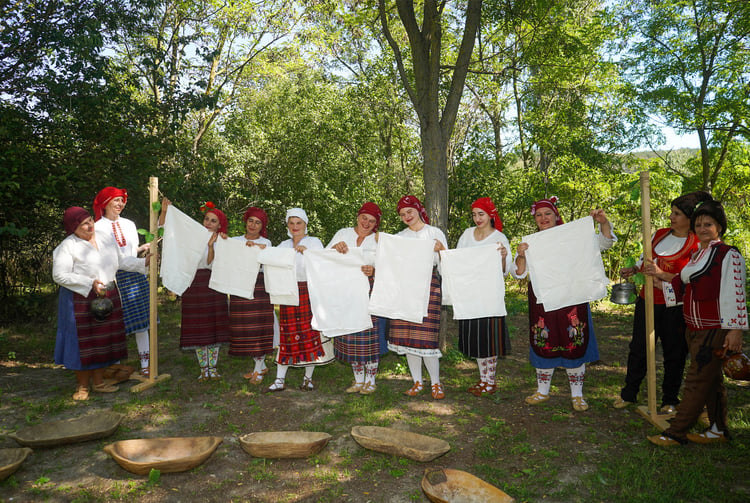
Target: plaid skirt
(134, 292)
(483, 337)
(251, 323)
(419, 335)
(83, 342)
(205, 314)
(299, 343)
(362, 347)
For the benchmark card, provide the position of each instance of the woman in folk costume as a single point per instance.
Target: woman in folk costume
(299, 344)
(712, 287)
(205, 312)
(362, 349)
(485, 338)
(251, 321)
(133, 286)
(85, 265)
(419, 341)
(564, 337)
(672, 249)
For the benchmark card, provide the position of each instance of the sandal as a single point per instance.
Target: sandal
(277, 385)
(213, 374)
(307, 384)
(414, 390)
(367, 389)
(621, 403)
(105, 388)
(437, 391)
(256, 377)
(580, 404)
(355, 388)
(145, 372)
(484, 388)
(204, 375)
(474, 388)
(82, 393)
(536, 398)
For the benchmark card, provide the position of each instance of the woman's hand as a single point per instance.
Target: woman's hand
(439, 246)
(341, 247)
(732, 342)
(628, 272)
(144, 247)
(601, 218)
(99, 287)
(369, 270)
(300, 249)
(213, 238)
(252, 243)
(522, 250)
(503, 251)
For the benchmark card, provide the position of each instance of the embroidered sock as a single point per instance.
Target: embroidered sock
(359, 372)
(544, 380)
(433, 368)
(213, 355)
(141, 340)
(415, 367)
(576, 377)
(371, 370)
(482, 364)
(201, 354)
(491, 367)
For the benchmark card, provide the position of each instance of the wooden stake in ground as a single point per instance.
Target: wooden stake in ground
(650, 411)
(153, 361)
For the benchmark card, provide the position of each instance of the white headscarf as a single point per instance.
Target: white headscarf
(299, 213)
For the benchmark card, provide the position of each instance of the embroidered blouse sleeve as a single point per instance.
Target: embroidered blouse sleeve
(732, 305)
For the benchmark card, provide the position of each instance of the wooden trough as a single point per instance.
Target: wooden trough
(284, 444)
(11, 459)
(69, 431)
(445, 485)
(400, 443)
(168, 455)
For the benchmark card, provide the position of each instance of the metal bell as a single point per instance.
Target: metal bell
(623, 293)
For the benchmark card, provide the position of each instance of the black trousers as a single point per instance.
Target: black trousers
(669, 327)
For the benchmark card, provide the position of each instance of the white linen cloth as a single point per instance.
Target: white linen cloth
(339, 291)
(184, 245)
(403, 272)
(280, 275)
(473, 277)
(235, 268)
(565, 264)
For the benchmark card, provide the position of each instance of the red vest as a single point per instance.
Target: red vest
(671, 263)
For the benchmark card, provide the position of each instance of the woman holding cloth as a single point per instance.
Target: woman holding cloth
(299, 343)
(251, 321)
(133, 286)
(560, 338)
(672, 249)
(361, 349)
(712, 287)
(485, 338)
(205, 312)
(419, 341)
(85, 265)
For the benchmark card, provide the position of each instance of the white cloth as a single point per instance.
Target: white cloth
(474, 279)
(76, 263)
(183, 248)
(235, 268)
(310, 243)
(339, 291)
(259, 241)
(565, 265)
(403, 272)
(349, 236)
(279, 275)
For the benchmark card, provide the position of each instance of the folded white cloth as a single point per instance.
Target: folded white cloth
(339, 291)
(403, 272)
(280, 275)
(565, 265)
(473, 278)
(183, 247)
(235, 268)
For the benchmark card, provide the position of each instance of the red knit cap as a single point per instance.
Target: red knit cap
(374, 210)
(73, 217)
(258, 213)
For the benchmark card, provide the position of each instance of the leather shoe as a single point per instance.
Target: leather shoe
(704, 438)
(662, 441)
(619, 403)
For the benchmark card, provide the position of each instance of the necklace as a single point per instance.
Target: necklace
(115, 228)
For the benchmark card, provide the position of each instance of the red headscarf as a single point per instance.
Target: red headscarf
(413, 202)
(223, 222)
(374, 210)
(550, 203)
(258, 213)
(485, 204)
(73, 217)
(103, 198)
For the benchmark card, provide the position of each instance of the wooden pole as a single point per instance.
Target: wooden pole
(153, 281)
(650, 411)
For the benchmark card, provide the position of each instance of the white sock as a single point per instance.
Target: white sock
(544, 380)
(371, 370)
(141, 341)
(260, 363)
(359, 372)
(415, 367)
(281, 371)
(433, 368)
(576, 377)
(714, 432)
(309, 371)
